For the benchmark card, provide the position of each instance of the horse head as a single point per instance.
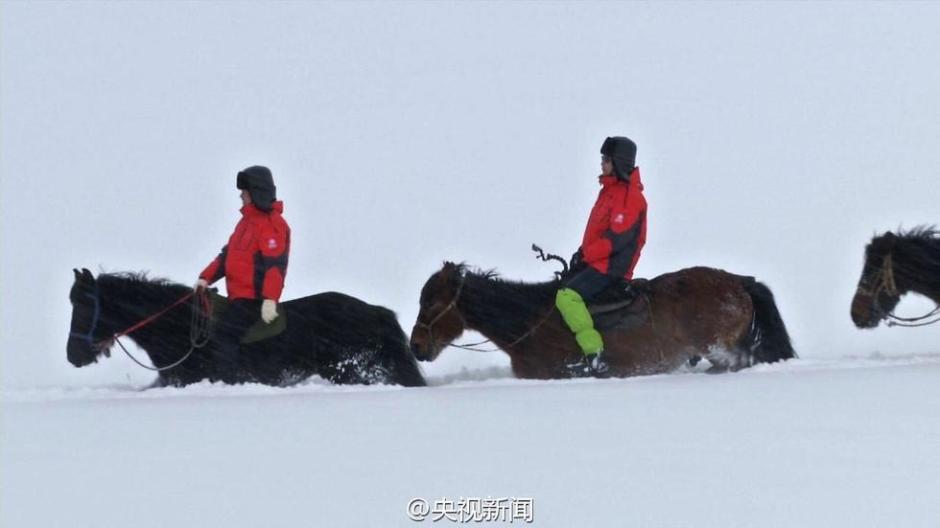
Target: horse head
(439, 321)
(877, 293)
(89, 334)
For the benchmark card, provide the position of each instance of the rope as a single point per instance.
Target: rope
(153, 317)
(510, 345)
(471, 346)
(199, 328)
(908, 323)
(888, 283)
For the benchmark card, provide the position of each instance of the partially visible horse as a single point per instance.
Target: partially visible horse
(897, 264)
(697, 312)
(339, 337)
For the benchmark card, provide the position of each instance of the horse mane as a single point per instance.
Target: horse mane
(138, 277)
(919, 252)
(131, 284)
(924, 233)
(922, 242)
(512, 306)
(512, 290)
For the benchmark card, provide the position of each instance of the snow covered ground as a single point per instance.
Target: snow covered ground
(842, 442)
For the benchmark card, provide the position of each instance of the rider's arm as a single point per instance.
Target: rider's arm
(216, 269)
(274, 247)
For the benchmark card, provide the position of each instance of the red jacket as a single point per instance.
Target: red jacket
(616, 231)
(254, 262)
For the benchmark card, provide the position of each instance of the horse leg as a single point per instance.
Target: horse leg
(725, 359)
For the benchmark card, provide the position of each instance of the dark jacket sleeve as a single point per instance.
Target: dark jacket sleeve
(216, 269)
(274, 251)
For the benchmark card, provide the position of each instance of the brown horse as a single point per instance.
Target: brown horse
(897, 264)
(698, 312)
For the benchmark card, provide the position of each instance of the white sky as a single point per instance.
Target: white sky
(774, 140)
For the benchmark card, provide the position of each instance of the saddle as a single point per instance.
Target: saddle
(258, 331)
(624, 305)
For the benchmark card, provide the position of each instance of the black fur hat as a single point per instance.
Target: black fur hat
(622, 152)
(259, 183)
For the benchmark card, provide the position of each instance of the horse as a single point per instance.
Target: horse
(895, 265)
(339, 337)
(678, 318)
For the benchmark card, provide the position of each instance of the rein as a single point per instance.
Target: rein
(886, 282)
(198, 330)
(152, 318)
(472, 346)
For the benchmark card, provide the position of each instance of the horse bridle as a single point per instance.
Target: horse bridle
(452, 305)
(89, 337)
(883, 281)
(886, 282)
(198, 336)
(472, 346)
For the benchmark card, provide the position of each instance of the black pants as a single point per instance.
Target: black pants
(589, 283)
(237, 319)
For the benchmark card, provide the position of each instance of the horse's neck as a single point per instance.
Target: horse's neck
(127, 302)
(929, 290)
(503, 311)
(920, 271)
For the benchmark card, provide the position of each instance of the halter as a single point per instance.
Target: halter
(885, 281)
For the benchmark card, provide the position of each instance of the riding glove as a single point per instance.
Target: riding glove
(268, 310)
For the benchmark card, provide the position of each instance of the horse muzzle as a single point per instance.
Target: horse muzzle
(81, 353)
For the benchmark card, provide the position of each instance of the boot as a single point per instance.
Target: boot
(598, 364)
(588, 365)
(578, 366)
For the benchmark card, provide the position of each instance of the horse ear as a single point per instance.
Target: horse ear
(87, 275)
(451, 268)
(77, 274)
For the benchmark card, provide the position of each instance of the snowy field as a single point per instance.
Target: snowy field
(842, 442)
(775, 139)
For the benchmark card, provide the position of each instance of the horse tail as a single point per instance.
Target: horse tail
(768, 340)
(396, 351)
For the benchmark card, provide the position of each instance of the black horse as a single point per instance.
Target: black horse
(897, 264)
(339, 337)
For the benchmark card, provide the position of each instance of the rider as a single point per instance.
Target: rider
(254, 264)
(614, 236)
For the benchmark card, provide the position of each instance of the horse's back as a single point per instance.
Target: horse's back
(329, 308)
(698, 278)
(708, 305)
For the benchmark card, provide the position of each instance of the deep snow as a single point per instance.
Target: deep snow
(842, 442)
